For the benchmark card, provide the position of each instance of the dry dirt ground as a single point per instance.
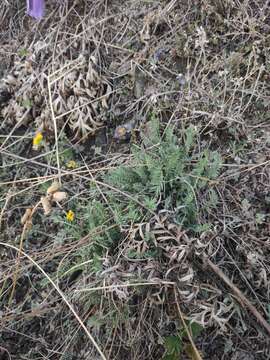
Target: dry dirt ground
(153, 117)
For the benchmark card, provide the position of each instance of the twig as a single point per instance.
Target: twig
(239, 295)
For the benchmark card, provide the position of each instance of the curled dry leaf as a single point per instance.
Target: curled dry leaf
(26, 216)
(59, 196)
(46, 205)
(80, 91)
(55, 186)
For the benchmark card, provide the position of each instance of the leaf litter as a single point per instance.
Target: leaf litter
(111, 69)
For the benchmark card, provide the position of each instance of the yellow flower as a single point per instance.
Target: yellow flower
(37, 140)
(70, 215)
(71, 164)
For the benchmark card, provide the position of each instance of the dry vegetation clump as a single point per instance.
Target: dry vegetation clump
(152, 117)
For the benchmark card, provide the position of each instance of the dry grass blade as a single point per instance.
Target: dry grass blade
(55, 130)
(112, 287)
(8, 197)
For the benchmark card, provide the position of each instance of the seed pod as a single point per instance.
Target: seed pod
(59, 196)
(26, 216)
(46, 205)
(53, 188)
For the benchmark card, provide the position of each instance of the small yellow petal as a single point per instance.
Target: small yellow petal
(70, 215)
(37, 139)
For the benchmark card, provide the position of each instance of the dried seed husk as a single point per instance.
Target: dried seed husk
(46, 204)
(55, 186)
(59, 196)
(26, 216)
